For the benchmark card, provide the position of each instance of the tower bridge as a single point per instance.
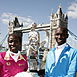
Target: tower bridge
(56, 19)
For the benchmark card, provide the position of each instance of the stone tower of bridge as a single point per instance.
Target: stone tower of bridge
(56, 20)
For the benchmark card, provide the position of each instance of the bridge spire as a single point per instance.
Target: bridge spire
(59, 11)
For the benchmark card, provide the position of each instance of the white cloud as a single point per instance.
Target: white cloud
(72, 10)
(29, 16)
(25, 20)
(6, 17)
(5, 21)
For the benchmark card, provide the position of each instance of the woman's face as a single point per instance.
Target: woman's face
(13, 43)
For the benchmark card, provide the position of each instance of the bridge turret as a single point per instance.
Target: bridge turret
(52, 15)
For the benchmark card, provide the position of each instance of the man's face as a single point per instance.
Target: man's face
(13, 43)
(61, 36)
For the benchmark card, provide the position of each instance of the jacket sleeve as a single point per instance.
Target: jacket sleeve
(0, 60)
(72, 65)
(46, 66)
(26, 67)
(46, 69)
(1, 66)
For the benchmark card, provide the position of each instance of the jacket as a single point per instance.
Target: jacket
(66, 65)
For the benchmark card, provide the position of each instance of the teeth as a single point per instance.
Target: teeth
(13, 47)
(59, 40)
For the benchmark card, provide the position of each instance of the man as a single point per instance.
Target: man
(61, 60)
(12, 62)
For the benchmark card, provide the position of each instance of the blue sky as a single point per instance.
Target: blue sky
(38, 11)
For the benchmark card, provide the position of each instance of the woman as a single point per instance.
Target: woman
(12, 61)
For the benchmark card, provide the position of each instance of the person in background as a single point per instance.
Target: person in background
(12, 61)
(61, 60)
(34, 43)
(34, 39)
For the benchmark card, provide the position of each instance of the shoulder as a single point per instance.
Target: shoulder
(72, 50)
(51, 52)
(2, 54)
(24, 57)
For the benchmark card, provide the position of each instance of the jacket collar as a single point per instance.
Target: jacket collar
(8, 57)
(66, 46)
(64, 50)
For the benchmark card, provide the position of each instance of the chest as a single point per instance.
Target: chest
(12, 67)
(62, 63)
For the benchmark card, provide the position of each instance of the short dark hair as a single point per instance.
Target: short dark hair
(64, 29)
(15, 34)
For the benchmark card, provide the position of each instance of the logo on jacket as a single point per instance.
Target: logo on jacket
(8, 63)
(20, 64)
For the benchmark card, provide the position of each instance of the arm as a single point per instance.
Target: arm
(0, 60)
(46, 67)
(1, 66)
(72, 66)
(46, 70)
(26, 66)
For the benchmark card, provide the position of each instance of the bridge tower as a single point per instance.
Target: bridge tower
(56, 20)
